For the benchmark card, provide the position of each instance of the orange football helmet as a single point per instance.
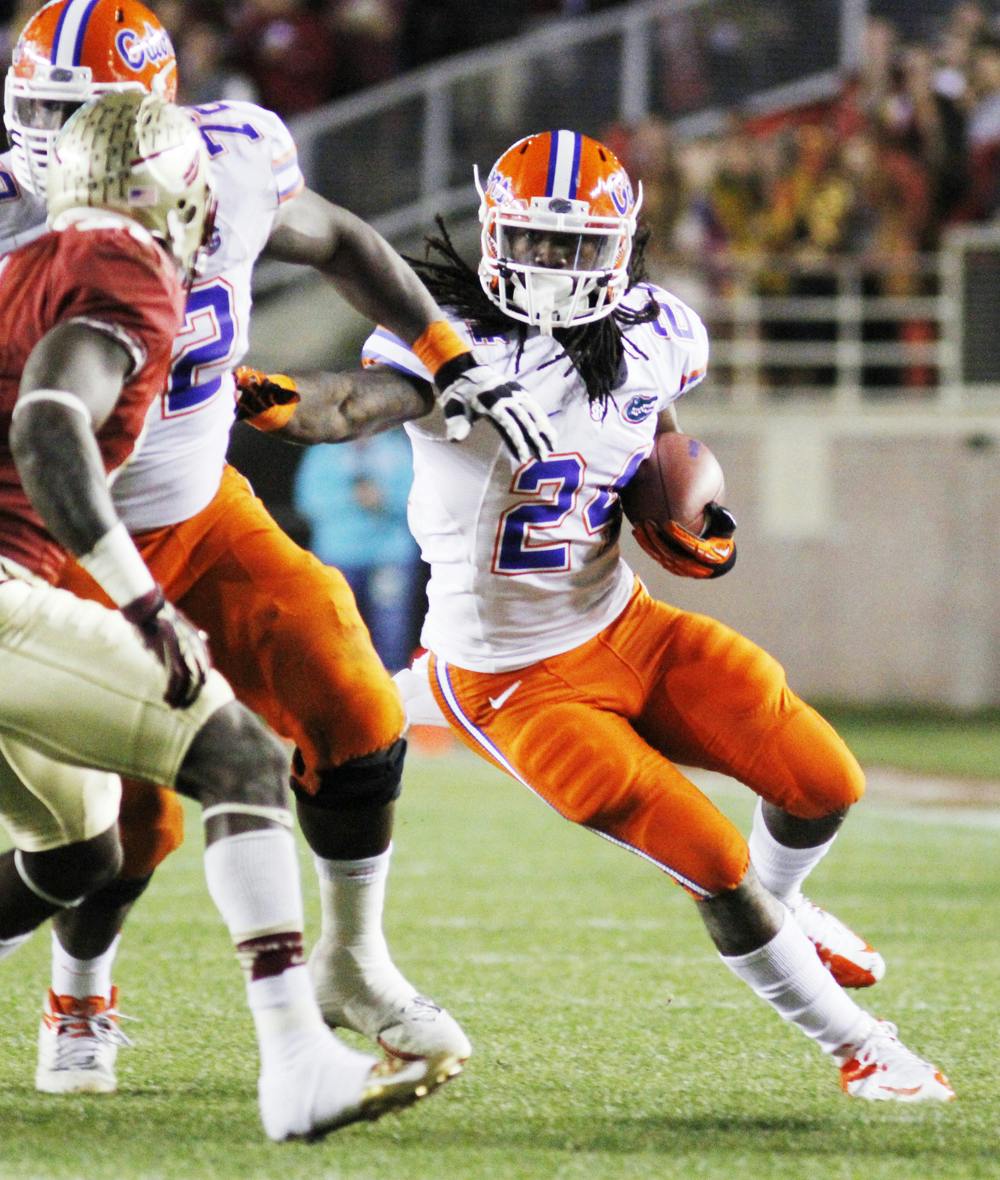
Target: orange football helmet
(71, 51)
(558, 214)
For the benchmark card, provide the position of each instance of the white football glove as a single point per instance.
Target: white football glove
(468, 391)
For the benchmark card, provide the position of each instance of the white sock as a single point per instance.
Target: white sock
(787, 974)
(286, 1017)
(82, 977)
(782, 869)
(352, 898)
(253, 878)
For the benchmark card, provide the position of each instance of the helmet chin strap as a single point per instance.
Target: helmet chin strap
(547, 293)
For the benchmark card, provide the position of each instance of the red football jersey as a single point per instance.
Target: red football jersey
(119, 282)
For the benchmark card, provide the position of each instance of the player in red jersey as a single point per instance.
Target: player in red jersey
(285, 629)
(88, 315)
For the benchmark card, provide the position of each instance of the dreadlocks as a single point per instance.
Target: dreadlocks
(596, 350)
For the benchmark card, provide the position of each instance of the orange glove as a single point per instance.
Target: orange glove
(682, 553)
(265, 400)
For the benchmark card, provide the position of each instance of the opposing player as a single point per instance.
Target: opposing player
(284, 629)
(549, 657)
(88, 315)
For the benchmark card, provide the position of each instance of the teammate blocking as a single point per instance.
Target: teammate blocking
(284, 629)
(89, 313)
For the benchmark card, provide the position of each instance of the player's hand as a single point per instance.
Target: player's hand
(468, 391)
(175, 641)
(258, 392)
(709, 555)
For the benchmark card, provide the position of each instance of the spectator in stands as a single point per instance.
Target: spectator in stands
(206, 73)
(367, 34)
(984, 130)
(931, 126)
(290, 54)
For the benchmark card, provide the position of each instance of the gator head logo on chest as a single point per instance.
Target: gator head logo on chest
(638, 409)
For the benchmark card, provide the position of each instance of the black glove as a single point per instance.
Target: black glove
(468, 391)
(175, 641)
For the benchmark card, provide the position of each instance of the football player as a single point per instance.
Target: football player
(548, 656)
(284, 628)
(88, 315)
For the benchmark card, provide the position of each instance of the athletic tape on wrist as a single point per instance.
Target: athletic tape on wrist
(438, 344)
(117, 567)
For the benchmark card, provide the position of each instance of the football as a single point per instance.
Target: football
(674, 482)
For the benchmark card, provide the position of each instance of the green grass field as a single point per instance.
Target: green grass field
(609, 1040)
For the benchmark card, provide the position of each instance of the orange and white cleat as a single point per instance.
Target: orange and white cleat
(850, 960)
(78, 1042)
(882, 1069)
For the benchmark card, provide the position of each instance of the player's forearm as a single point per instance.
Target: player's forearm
(60, 467)
(378, 283)
(362, 265)
(337, 407)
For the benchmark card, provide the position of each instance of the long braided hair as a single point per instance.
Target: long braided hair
(595, 350)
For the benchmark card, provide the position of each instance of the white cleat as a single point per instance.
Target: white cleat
(882, 1069)
(846, 955)
(78, 1042)
(329, 1086)
(390, 1012)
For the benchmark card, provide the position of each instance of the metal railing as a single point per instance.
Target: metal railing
(855, 335)
(401, 152)
(849, 336)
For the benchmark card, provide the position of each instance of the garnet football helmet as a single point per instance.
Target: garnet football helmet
(69, 52)
(558, 214)
(138, 155)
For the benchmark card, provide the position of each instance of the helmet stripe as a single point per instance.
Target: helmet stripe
(564, 165)
(68, 44)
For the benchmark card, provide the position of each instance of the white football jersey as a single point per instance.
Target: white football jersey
(254, 167)
(524, 557)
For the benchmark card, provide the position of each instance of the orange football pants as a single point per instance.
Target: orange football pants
(283, 629)
(598, 732)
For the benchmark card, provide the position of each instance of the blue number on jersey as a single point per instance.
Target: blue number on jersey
(681, 330)
(555, 483)
(603, 508)
(209, 130)
(8, 186)
(205, 341)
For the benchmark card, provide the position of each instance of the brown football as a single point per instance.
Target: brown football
(674, 482)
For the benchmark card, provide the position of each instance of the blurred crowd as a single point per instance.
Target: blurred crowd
(294, 55)
(910, 147)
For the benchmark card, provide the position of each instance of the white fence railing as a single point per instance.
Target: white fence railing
(843, 335)
(399, 153)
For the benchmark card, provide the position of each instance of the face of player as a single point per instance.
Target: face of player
(43, 114)
(556, 251)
